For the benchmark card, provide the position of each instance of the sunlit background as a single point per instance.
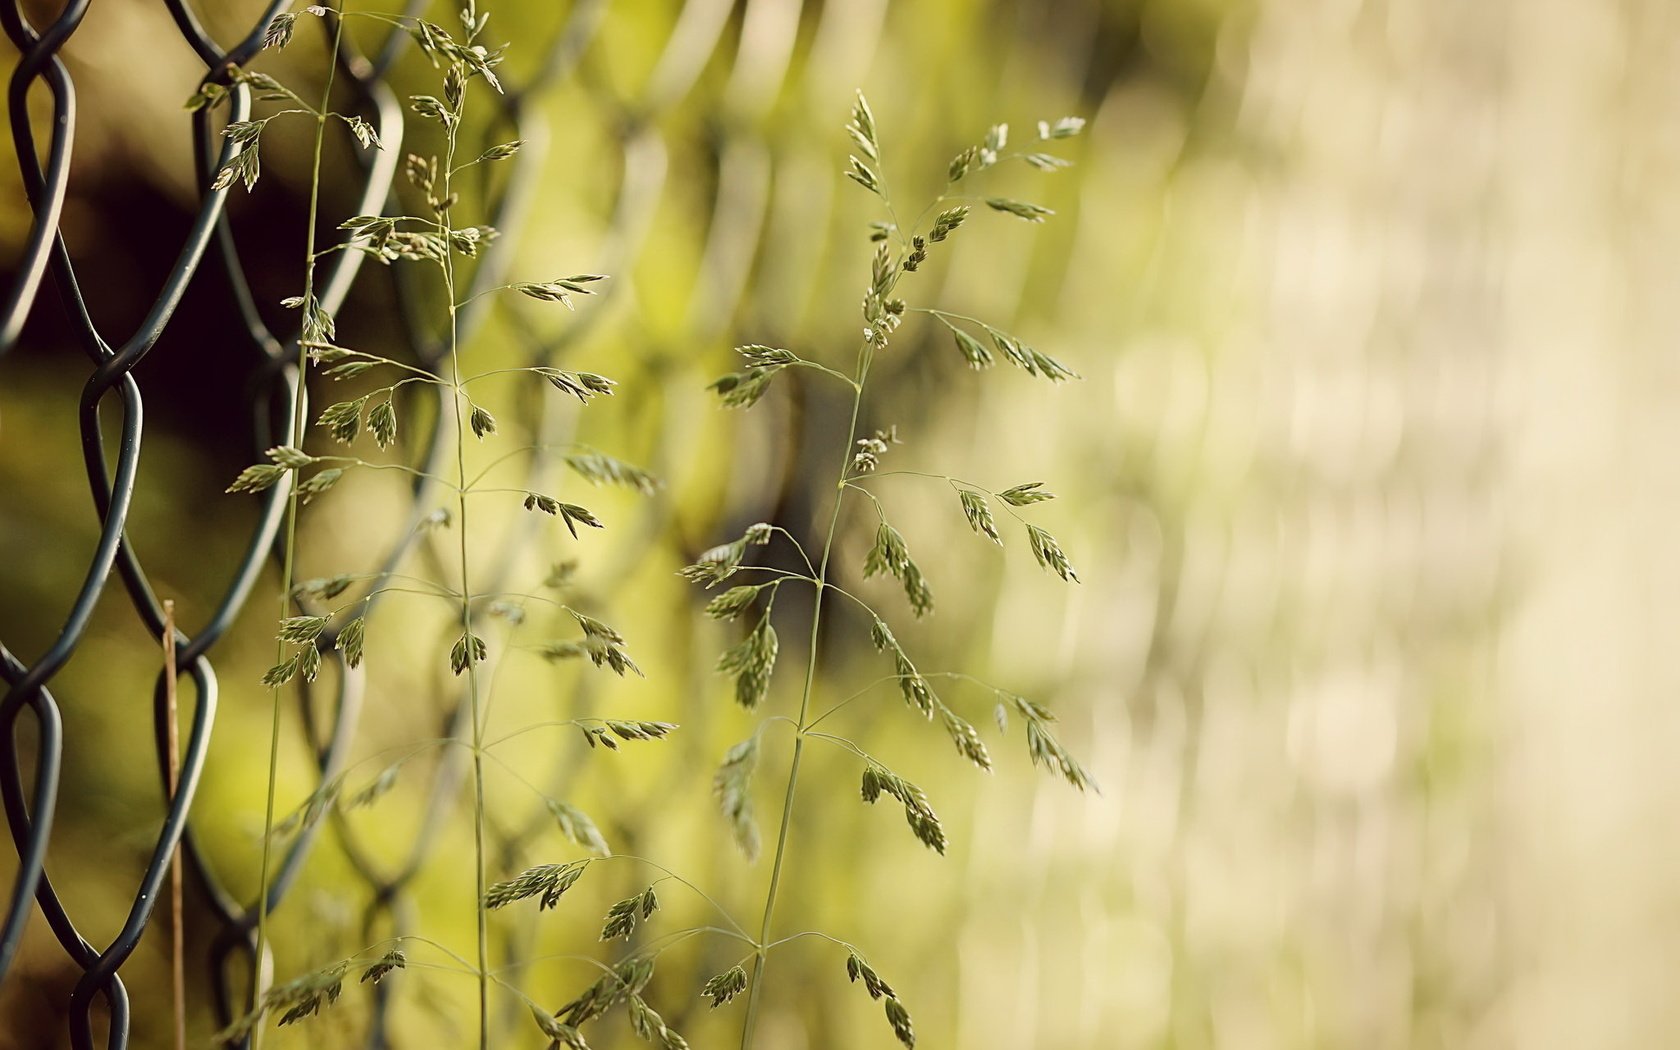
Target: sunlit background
(1364, 481)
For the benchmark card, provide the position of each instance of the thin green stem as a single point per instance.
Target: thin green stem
(462, 408)
(913, 474)
(674, 938)
(957, 484)
(780, 573)
(842, 742)
(936, 202)
(420, 374)
(738, 932)
(421, 581)
(519, 594)
(843, 377)
(760, 959)
(401, 468)
(288, 568)
(410, 750)
(860, 694)
(852, 483)
(307, 108)
(532, 727)
(471, 491)
(476, 376)
(942, 314)
(404, 590)
(487, 291)
(806, 558)
(872, 686)
(768, 719)
(948, 196)
(364, 577)
(521, 450)
(812, 933)
(376, 16)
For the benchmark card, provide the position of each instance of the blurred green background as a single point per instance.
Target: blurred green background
(1365, 481)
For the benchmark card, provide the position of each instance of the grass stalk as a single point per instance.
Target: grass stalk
(462, 408)
(761, 955)
(295, 436)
